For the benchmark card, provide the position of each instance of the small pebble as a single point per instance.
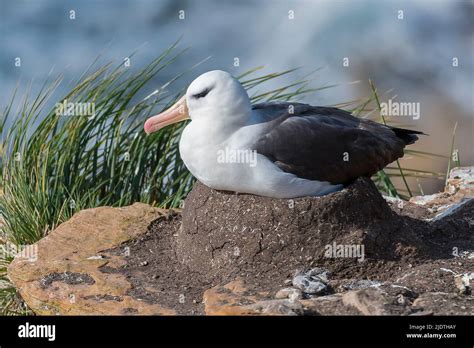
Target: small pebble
(312, 282)
(290, 293)
(462, 284)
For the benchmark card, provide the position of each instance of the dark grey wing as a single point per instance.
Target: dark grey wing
(328, 144)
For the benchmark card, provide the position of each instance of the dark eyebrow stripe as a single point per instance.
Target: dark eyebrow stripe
(203, 93)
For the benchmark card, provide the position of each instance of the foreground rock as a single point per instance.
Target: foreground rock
(65, 277)
(459, 191)
(349, 253)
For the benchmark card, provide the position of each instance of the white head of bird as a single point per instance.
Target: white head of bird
(215, 97)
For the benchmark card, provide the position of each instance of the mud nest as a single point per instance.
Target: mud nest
(226, 233)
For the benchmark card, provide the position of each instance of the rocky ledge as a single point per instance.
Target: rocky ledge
(349, 253)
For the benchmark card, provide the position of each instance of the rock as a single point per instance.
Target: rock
(410, 209)
(289, 293)
(461, 182)
(327, 305)
(238, 298)
(66, 278)
(313, 282)
(458, 191)
(367, 301)
(278, 307)
(462, 283)
(374, 301)
(319, 274)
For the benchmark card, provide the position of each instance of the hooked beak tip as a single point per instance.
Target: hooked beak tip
(146, 127)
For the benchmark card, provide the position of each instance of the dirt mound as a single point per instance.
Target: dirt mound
(264, 242)
(225, 233)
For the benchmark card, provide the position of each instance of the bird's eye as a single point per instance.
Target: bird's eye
(202, 94)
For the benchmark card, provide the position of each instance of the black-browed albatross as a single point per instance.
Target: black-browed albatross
(298, 149)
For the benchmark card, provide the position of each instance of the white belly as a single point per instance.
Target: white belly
(225, 166)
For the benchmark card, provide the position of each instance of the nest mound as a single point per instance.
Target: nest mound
(224, 233)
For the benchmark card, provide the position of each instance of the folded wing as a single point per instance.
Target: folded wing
(328, 144)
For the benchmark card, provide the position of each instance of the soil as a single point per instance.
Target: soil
(220, 237)
(154, 271)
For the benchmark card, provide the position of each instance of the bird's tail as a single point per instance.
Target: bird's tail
(407, 135)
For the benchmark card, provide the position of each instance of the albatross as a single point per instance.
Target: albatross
(279, 150)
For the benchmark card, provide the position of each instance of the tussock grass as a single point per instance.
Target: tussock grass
(383, 179)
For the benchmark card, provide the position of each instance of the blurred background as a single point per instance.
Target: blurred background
(417, 51)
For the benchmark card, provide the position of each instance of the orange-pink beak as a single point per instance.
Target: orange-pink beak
(176, 113)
